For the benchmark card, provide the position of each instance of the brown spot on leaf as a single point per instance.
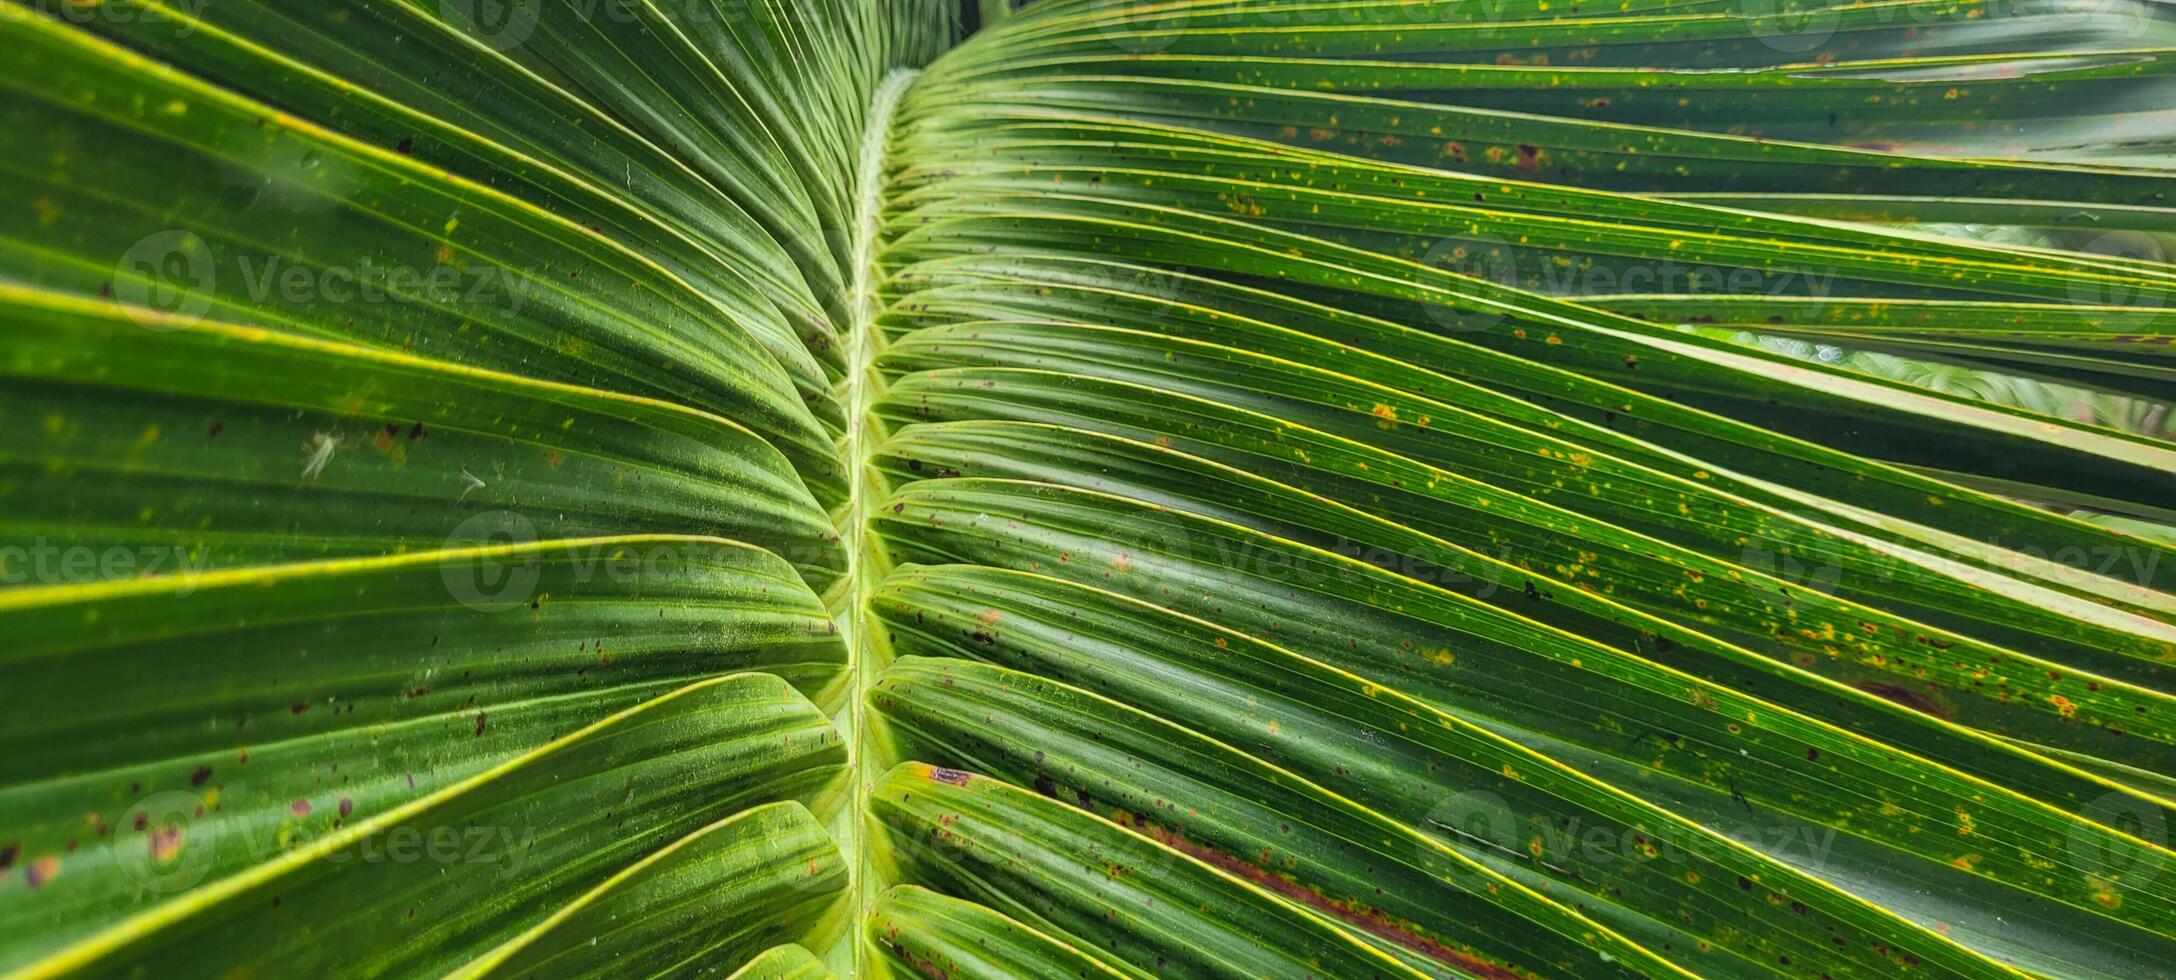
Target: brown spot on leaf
(164, 843)
(41, 871)
(1350, 912)
(1906, 697)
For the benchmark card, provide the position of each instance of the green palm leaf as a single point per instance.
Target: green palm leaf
(1109, 488)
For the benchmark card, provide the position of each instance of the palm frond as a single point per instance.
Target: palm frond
(1107, 488)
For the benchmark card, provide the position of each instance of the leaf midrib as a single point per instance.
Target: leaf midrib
(847, 602)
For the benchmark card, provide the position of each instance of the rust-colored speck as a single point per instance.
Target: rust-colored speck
(1906, 697)
(923, 966)
(164, 843)
(1351, 911)
(41, 871)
